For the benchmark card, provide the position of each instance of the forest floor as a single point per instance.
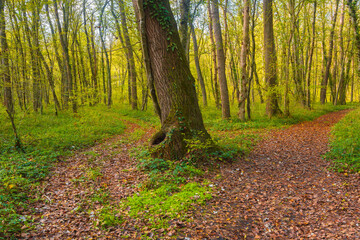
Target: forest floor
(282, 190)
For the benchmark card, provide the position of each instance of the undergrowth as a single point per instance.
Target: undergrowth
(214, 122)
(345, 143)
(171, 189)
(172, 186)
(45, 137)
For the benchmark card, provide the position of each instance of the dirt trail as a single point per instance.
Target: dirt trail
(79, 185)
(283, 191)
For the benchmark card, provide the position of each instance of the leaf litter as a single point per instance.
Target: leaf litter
(281, 190)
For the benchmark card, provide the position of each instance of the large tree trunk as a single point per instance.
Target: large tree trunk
(181, 119)
(244, 90)
(224, 93)
(329, 58)
(5, 73)
(272, 106)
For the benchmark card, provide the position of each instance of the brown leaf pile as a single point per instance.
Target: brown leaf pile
(283, 190)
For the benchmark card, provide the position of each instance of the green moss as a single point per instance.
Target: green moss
(159, 206)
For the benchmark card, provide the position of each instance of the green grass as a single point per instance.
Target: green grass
(173, 184)
(345, 143)
(45, 137)
(213, 121)
(159, 206)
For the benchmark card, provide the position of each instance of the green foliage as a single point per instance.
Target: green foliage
(212, 117)
(18, 174)
(345, 143)
(159, 206)
(233, 144)
(93, 173)
(45, 137)
(65, 132)
(109, 217)
(162, 172)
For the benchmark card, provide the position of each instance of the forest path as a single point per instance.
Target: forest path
(283, 190)
(90, 180)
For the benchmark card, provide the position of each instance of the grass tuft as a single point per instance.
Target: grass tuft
(345, 143)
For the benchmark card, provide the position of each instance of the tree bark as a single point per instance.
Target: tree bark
(329, 57)
(353, 14)
(244, 90)
(197, 64)
(92, 57)
(341, 84)
(272, 106)
(5, 73)
(130, 56)
(108, 71)
(184, 22)
(181, 119)
(64, 41)
(214, 57)
(297, 65)
(224, 93)
(308, 79)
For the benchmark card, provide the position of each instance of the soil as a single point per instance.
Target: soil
(284, 189)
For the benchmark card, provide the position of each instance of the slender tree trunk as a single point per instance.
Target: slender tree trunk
(5, 73)
(308, 80)
(184, 22)
(224, 93)
(297, 65)
(91, 55)
(214, 57)
(333, 78)
(353, 14)
(226, 34)
(342, 57)
(108, 70)
(33, 43)
(197, 64)
(329, 58)
(244, 91)
(130, 56)
(272, 107)
(96, 81)
(63, 32)
(22, 66)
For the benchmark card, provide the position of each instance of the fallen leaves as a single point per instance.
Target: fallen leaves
(283, 190)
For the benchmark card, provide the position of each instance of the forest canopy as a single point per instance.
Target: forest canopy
(66, 54)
